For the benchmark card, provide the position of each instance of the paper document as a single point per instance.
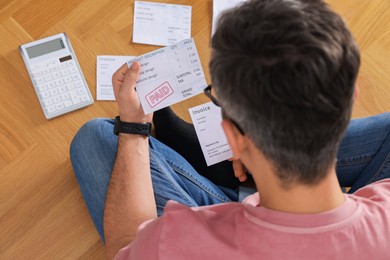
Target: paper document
(105, 68)
(222, 5)
(161, 24)
(169, 75)
(207, 121)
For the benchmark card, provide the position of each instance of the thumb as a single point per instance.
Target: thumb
(131, 76)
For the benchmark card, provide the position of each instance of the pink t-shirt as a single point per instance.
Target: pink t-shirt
(357, 229)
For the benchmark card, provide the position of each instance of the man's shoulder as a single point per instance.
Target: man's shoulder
(377, 193)
(374, 200)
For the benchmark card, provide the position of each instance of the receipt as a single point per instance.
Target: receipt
(169, 75)
(207, 121)
(105, 68)
(161, 24)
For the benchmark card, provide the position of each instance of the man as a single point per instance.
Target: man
(284, 75)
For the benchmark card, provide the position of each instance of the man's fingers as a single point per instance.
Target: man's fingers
(124, 80)
(132, 75)
(239, 170)
(119, 75)
(242, 178)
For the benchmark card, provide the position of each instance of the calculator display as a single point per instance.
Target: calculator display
(45, 48)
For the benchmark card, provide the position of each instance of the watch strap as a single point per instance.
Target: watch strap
(131, 128)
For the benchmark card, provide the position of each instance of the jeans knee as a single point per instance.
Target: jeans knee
(89, 134)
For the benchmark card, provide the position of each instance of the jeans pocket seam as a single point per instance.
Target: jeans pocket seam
(188, 176)
(380, 170)
(357, 160)
(184, 195)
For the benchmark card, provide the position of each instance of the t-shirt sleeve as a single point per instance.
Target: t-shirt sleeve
(146, 243)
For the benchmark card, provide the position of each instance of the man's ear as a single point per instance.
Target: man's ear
(234, 138)
(356, 92)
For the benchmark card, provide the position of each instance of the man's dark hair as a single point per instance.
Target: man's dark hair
(285, 72)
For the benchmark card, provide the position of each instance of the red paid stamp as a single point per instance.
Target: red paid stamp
(159, 94)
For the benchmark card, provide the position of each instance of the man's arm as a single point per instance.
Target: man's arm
(130, 200)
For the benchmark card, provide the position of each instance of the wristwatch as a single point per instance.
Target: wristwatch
(131, 128)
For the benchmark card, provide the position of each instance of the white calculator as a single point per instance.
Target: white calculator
(56, 75)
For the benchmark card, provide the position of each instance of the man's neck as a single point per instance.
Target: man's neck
(299, 198)
(307, 199)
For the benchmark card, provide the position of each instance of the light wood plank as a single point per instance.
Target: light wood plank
(42, 213)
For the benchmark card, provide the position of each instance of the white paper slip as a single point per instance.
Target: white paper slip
(105, 68)
(207, 121)
(161, 24)
(222, 5)
(169, 75)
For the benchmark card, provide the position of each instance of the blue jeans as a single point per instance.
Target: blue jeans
(364, 157)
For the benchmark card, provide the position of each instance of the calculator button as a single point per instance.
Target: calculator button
(65, 96)
(68, 103)
(54, 69)
(60, 82)
(68, 79)
(49, 78)
(81, 91)
(71, 86)
(57, 74)
(84, 98)
(51, 109)
(73, 92)
(63, 65)
(57, 99)
(63, 89)
(51, 84)
(75, 97)
(60, 106)
(76, 77)
(45, 94)
(73, 70)
(47, 102)
(39, 80)
(36, 68)
(42, 87)
(54, 91)
(79, 84)
(37, 74)
(65, 72)
(70, 63)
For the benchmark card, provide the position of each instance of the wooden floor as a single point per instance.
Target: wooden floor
(42, 213)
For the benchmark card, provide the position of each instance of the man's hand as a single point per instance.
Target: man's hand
(239, 170)
(123, 82)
